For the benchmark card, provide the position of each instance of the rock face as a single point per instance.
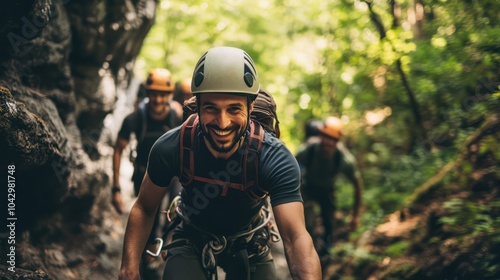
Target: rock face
(62, 65)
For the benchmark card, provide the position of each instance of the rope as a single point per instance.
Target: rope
(212, 248)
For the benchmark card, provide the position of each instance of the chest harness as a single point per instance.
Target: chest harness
(249, 243)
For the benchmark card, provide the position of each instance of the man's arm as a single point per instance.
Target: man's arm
(139, 226)
(349, 168)
(120, 145)
(303, 261)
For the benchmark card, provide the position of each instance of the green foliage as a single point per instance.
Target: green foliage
(490, 143)
(324, 58)
(401, 271)
(397, 249)
(360, 255)
(467, 217)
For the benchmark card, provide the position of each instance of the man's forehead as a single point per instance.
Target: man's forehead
(222, 98)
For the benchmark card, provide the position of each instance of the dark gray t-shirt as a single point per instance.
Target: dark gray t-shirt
(215, 208)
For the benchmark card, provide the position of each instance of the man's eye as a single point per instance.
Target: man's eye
(209, 108)
(234, 110)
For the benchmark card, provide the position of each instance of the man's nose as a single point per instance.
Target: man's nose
(223, 120)
(153, 97)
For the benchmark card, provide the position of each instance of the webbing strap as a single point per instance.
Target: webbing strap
(188, 131)
(251, 161)
(225, 185)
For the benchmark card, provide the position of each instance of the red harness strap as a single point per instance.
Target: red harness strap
(186, 149)
(250, 160)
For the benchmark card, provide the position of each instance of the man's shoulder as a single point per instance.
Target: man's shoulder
(274, 150)
(271, 142)
(132, 120)
(343, 150)
(170, 138)
(347, 157)
(172, 133)
(134, 115)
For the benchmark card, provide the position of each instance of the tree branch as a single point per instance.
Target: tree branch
(411, 96)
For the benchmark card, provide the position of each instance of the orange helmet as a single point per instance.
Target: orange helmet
(332, 128)
(159, 79)
(186, 86)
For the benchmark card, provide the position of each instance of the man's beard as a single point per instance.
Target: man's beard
(328, 150)
(222, 149)
(158, 108)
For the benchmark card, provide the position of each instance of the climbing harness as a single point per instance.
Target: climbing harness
(250, 243)
(217, 244)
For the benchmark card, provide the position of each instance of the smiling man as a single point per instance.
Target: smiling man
(228, 166)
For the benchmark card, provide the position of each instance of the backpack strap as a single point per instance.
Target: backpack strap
(188, 131)
(144, 121)
(251, 162)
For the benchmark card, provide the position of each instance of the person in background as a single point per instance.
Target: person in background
(183, 90)
(321, 159)
(223, 200)
(311, 130)
(156, 114)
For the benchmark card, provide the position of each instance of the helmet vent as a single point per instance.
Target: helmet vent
(248, 77)
(198, 78)
(200, 69)
(201, 61)
(250, 61)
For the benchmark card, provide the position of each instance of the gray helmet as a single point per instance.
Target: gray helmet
(225, 70)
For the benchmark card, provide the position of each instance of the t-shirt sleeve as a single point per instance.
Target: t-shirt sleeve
(127, 127)
(163, 162)
(280, 173)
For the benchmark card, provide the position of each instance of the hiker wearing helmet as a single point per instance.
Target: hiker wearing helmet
(228, 166)
(183, 90)
(154, 116)
(321, 160)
